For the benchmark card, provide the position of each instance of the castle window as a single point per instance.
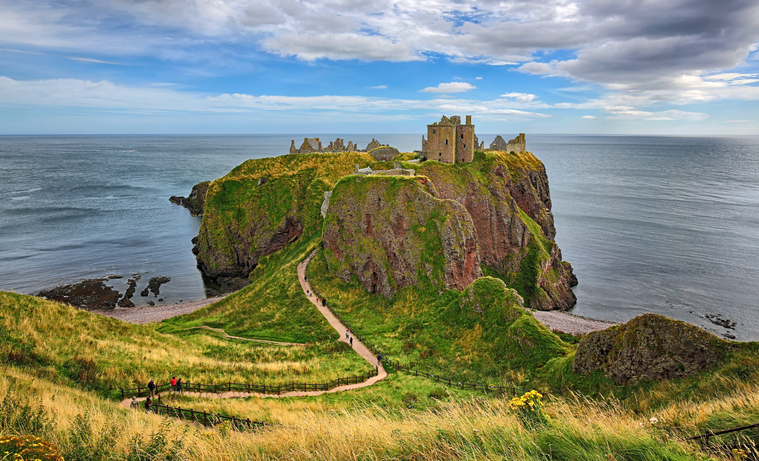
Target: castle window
(462, 136)
(446, 142)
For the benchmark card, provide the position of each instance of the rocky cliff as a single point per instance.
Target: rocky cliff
(650, 346)
(196, 201)
(394, 231)
(501, 199)
(265, 204)
(508, 198)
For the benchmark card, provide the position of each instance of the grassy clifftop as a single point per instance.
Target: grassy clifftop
(263, 205)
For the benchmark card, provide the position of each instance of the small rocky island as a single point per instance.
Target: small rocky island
(443, 215)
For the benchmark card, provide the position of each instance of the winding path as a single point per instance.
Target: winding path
(358, 346)
(224, 334)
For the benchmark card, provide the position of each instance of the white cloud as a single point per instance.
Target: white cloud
(95, 61)
(340, 47)
(521, 97)
(588, 117)
(165, 98)
(631, 113)
(378, 87)
(452, 87)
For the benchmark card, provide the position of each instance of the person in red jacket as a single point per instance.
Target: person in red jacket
(174, 383)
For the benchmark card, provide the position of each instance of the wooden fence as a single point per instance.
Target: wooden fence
(141, 391)
(704, 438)
(205, 418)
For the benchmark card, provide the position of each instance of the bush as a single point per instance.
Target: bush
(529, 408)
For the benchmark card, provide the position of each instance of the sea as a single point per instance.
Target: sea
(650, 223)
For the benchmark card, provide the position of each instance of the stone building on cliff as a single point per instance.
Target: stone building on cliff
(515, 145)
(449, 141)
(311, 145)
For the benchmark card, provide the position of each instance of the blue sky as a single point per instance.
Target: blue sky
(375, 66)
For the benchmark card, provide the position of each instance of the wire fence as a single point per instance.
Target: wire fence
(205, 418)
(141, 391)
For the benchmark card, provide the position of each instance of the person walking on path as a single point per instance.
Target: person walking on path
(179, 385)
(351, 341)
(379, 359)
(151, 386)
(347, 334)
(147, 404)
(173, 383)
(134, 404)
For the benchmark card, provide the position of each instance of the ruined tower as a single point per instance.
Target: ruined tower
(449, 141)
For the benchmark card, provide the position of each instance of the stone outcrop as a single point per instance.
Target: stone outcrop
(196, 202)
(650, 346)
(265, 204)
(394, 231)
(493, 197)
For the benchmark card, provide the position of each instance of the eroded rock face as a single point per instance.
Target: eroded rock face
(650, 346)
(493, 199)
(196, 202)
(394, 231)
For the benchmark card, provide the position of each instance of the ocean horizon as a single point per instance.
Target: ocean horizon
(665, 224)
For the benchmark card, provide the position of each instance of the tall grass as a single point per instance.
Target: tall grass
(469, 428)
(92, 352)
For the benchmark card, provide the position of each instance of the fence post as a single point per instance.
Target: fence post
(122, 393)
(205, 418)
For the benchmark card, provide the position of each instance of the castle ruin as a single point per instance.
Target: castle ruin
(515, 145)
(449, 141)
(314, 145)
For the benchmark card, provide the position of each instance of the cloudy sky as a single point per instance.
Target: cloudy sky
(358, 66)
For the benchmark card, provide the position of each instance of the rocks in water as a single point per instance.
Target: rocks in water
(154, 285)
(717, 319)
(125, 301)
(87, 294)
(196, 202)
(650, 346)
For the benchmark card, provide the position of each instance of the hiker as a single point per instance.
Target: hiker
(179, 385)
(351, 341)
(134, 404)
(151, 386)
(173, 383)
(347, 334)
(379, 359)
(147, 404)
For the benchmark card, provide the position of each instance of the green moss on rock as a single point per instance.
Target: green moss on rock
(392, 232)
(263, 205)
(650, 346)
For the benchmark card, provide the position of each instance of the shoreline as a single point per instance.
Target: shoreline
(553, 320)
(148, 314)
(569, 323)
